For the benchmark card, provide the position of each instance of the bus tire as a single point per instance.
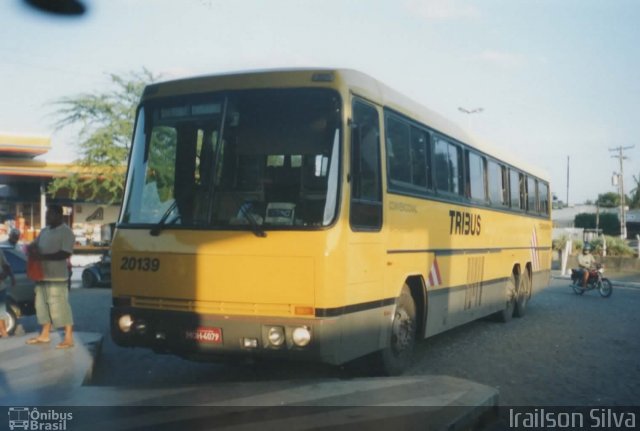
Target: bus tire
(507, 313)
(88, 279)
(523, 294)
(397, 356)
(10, 319)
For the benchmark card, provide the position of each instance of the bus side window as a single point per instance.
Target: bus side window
(476, 180)
(505, 186)
(532, 195)
(498, 183)
(514, 188)
(523, 192)
(543, 189)
(398, 150)
(420, 158)
(408, 155)
(449, 167)
(366, 195)
(441, 165)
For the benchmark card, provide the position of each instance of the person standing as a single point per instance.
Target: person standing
(13, 238)
(52, 248)
(6, 272)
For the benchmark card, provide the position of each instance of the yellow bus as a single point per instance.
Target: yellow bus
(315, 215)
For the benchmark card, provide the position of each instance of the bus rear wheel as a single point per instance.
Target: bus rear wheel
(397, 356)
(523, 295)
(511, 294)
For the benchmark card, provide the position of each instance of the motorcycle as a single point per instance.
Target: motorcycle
(595, 281)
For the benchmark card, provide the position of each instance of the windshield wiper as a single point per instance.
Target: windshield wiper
(255, 226)
(155, 231)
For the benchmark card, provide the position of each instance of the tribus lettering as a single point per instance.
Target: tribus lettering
(464, 223)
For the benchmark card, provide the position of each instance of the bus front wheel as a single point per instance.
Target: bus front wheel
(396, 357)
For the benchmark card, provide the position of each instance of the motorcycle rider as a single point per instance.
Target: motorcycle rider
(586, 262)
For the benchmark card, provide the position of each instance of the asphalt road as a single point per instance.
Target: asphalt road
(567, 350)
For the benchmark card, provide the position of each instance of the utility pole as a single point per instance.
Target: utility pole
(621, 157)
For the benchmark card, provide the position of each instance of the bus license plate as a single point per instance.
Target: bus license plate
(205, 335)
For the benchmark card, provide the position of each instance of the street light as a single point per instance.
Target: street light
(469, 112)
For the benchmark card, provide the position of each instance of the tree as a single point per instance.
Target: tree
(106, 126)
(585, 221)
(634, 199)
(609, 200)
(609, 222)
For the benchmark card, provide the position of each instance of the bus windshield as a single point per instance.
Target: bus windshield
(236, 160)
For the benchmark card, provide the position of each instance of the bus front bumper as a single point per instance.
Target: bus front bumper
(217, 337)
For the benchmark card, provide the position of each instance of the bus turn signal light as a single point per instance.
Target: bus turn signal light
(304, 311)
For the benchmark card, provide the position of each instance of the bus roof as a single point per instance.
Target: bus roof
(342, 79)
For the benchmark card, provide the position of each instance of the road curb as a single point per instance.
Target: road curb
(426, 402)
(43, 376)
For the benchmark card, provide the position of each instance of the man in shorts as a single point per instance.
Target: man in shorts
(52, 248)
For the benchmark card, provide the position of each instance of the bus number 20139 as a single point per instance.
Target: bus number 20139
(139, 264)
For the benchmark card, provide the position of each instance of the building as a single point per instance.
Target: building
(23, 184)
(563, 219)
(633, 224)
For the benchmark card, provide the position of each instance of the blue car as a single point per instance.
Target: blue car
(21, 297)
(98, 274)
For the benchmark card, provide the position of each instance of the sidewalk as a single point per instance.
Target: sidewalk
(37, 374)
(32, 377)
(628, 279)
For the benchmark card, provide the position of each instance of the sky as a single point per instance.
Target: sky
(557, 80)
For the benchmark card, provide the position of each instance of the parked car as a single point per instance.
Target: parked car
(98, 274)
(21, 297)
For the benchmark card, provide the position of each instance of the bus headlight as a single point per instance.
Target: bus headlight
(125, 322)
(301, 336)
(276, 336)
